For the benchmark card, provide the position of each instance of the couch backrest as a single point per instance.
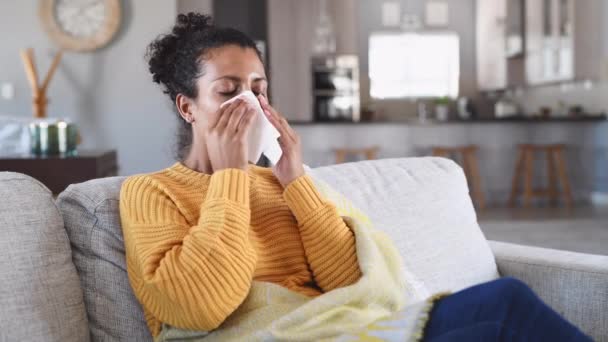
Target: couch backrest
(422, 203)
(91, 216)
(40, 294)
(424, 206)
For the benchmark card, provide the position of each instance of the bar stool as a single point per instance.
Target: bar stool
(556, 170)
(468, 156)
(368, 153)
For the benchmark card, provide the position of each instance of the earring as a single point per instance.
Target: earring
(190, 119)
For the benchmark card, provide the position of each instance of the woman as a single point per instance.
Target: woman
(199, 232)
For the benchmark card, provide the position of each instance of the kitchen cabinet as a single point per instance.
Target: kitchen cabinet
(515, 28)
(549, 41)
(500, 44)
(564, 40)
(536, 42)
(491, 44)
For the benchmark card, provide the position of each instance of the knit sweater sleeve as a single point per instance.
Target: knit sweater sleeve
(329, 244)
(189, 276)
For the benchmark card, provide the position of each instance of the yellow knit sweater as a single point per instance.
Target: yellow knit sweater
(195, 242)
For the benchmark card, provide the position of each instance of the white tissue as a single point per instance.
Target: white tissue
(262, 138)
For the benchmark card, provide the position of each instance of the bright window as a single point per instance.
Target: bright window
(414, 65)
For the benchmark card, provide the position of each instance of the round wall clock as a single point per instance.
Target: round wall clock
(81, 25)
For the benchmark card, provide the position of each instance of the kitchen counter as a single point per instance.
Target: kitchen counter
(517, 119)
(586, 139)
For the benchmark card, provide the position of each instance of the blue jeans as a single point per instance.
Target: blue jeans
(501, 310)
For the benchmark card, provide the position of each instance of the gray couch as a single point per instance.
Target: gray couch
(63, 275)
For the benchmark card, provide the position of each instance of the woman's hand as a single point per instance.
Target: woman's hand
(227, 138)
(289, 167)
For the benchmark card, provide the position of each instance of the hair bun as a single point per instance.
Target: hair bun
(192, 22)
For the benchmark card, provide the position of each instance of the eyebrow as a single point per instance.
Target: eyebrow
(237, 79)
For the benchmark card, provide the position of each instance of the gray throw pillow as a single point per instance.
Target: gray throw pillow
(91, 214)
(39, 289)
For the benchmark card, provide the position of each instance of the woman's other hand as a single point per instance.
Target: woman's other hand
(227, 138)
(289, 167)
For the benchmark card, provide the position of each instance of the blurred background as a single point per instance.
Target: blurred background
(516, 91)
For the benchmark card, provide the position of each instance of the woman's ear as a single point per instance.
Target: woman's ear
(185, 107)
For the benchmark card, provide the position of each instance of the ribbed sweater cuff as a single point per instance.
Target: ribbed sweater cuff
(302, 197)
(231, 184)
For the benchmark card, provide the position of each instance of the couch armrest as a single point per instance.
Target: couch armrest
(574, 284)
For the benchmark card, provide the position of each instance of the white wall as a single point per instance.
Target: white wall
(109, 93)
(201, 6)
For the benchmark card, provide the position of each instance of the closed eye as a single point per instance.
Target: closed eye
(228, 94)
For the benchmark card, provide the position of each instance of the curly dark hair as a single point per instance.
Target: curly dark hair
(176, 60)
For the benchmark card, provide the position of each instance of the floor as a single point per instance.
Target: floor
(579, 229)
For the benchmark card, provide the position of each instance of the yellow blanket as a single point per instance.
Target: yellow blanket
(372, 309)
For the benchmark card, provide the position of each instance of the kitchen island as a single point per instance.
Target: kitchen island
(586, 138)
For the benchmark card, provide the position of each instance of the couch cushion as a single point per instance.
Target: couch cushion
(39, 288)
(422, 203)
(424, 206)
(90, 212)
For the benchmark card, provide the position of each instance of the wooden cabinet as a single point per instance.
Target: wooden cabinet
(57, 172)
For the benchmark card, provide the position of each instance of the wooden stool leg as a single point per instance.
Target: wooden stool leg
(463, 162)
(370, 154)
(340, 156)
(529, 177)
(563, 177)
(519, 168)
(552, 186)
(470, 159)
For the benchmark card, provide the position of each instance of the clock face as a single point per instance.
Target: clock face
(81, 25)
(80, 18)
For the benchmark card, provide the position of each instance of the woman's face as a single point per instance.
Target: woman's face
(227, 72)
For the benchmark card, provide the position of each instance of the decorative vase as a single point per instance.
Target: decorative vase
(442, 112)
(39, 104)
(39, 88)
(53, 137)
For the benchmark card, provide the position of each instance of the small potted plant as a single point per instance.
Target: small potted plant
(442, 109)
